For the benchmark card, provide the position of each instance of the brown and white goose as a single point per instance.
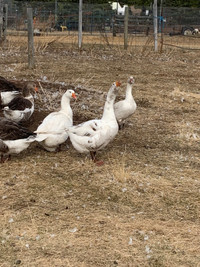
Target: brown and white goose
(8, 91)
(6, 85)
(22, 106)
(125, 108)
(13, 138)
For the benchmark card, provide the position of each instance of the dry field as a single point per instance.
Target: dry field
(141, 208)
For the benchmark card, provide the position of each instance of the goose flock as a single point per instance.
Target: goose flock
(87, 137)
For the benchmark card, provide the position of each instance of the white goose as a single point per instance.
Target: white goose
(95, 134)
(51, 133)
(22, 106)
(125, 108)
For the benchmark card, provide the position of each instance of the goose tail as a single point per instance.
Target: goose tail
(30, 139)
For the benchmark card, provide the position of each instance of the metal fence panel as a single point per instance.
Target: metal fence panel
(102, 20)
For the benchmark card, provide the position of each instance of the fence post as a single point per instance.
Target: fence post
(31, 63)
(160, 17)
(80, 24)
(155, 25)
(161, 25)
(113, 26)
(5, 21)
(56, 12)
(126, 28)
(1, 19)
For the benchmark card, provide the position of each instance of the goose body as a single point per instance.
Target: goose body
(7, 97)
(9, 147)
(22, 106)
(10, 130)
(95, 134)
(16, 146)
(6, 85)
(125, 108)
(8, 91)
(51, 133)
(13, 138)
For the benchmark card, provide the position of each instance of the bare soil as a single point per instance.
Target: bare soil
(141, 208)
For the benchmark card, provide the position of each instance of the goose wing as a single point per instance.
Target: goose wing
(10, 130)
(6, 85)
(54, 122)
(93, 140)
(20, 103)
(88, 128)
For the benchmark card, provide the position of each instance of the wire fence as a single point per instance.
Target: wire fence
(101, 19)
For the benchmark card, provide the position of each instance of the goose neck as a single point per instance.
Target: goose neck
(30, 97)
(108, 112)
(65, 103)
(129, 91)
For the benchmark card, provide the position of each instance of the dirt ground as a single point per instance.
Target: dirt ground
(141, 208)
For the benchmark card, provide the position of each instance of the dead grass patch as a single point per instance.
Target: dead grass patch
(141, 208)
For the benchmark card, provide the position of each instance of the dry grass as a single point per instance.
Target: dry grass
(141, 208)
(140, 42)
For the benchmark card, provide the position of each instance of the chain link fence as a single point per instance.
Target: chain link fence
(102, 19)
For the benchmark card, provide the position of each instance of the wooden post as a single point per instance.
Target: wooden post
(56, 12)
(155, 25)
(80, 24)
(113, 26)
(126, 28)
(1, 20)
(5, 21)
(31, 63)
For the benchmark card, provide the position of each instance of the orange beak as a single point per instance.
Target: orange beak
(73, 95)
(118, 84)
(36, 89)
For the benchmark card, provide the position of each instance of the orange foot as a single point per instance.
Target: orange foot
(99, 163)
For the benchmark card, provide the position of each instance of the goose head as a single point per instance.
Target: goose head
(29, 88)
(117, 84)
(112, 93)
(70, 94)
(114, 88)
(131, 80)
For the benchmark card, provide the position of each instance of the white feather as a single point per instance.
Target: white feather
(52, 131)
(94, 135)
(17, 146)
(6, 97)
(125, 108)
